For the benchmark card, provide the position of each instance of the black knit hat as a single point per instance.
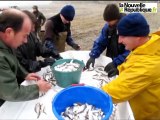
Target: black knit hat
(68, 12)
(133, 24)
(111, 12)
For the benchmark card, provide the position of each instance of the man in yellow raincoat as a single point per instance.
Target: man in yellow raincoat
(139, 78)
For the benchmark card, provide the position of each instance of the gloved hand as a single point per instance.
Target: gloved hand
(49, 61)
(57, 57)
(55, 53)
(111, 69)
(42, 63)
(51, 49)
(76, 47)
(34, 66)
(89, 62)
(60, 57)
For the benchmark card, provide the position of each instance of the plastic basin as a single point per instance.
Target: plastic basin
(65, 79)
(82, 94)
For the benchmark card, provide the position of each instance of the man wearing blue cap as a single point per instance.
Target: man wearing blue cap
(57, 30)
(139, 76)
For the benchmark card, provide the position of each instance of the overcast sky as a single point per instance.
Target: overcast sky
(23, 3)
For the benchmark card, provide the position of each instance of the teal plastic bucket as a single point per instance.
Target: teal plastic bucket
(65, 79)
(82, 94)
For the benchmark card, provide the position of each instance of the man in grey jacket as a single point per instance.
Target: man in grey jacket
(14, 29)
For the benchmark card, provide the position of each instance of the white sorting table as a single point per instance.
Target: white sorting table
(25, 110)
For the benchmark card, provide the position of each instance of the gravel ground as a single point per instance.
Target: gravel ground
(89, 19)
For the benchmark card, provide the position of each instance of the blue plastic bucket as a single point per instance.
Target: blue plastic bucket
(82, 94)
(65, 79)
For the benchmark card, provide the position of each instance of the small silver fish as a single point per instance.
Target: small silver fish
(67, 67)
(81, 111)
(39, 108)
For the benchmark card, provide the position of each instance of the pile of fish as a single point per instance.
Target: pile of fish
(101, 76)
(67, 67)
(79, 111)
(82, 112)
(49, 77)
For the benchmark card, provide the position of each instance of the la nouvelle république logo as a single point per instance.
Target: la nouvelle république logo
(138, 7)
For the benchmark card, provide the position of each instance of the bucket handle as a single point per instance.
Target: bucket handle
(80, 84)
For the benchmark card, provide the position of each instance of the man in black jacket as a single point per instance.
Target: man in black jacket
(57, 30)
(28, 52)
